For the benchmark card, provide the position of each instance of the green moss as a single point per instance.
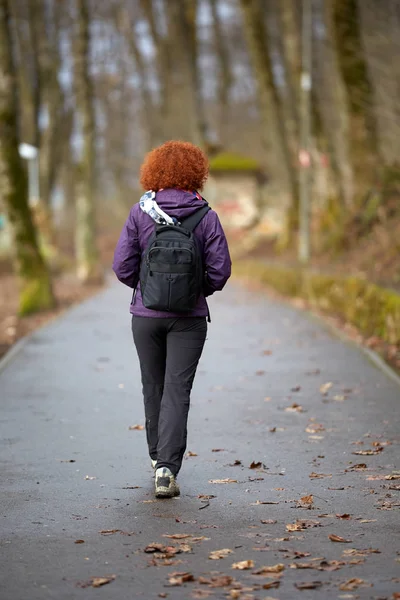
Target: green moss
(373, 309)
(230, 161)
(36, 295)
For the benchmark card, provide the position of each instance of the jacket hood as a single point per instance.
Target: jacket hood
(178, 203)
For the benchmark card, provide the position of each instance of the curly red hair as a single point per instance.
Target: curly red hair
(175, 164)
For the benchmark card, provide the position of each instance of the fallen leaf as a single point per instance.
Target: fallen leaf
(191, 453)
(79, 542)
(271, 585)
(216, 581)
(352, 584)
(369, 452)
(268, 521)
(358, 467)
(177, 536)
(255, 465)
(179, 578)
(218, 450)
(338, 538)
(294, 408)
(200, 594)
(97, 581)
(308, 585)
(218, 554)
(109, 531)
(136, 427)
(392, 476)
(269, 569)
(243, 565)
(71, 460)
(345, 516)
(314, 428)
(339, 398)
(302, 524)
(223, 480)
(206, 496)
(263, 502)
(355, 552)
(319, 475)
(307, 501)
(266, 352)
(325, 387)
(237, 463)
(331, 565)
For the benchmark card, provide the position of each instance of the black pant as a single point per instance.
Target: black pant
(169, 351)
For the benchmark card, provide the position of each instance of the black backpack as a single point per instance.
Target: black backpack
(172, 271)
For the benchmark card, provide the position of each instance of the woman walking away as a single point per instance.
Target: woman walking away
(173, 253)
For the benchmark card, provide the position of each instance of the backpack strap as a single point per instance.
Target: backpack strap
(191, 222)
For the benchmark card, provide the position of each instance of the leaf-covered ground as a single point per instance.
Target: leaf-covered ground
(290, 485)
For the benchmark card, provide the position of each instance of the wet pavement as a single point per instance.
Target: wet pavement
(318, 514)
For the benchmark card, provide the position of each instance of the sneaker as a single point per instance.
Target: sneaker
(166, 486)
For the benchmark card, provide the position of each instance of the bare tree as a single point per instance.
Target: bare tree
(88, 266)
(36, 293)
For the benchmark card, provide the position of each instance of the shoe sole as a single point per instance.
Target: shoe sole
(166, 493)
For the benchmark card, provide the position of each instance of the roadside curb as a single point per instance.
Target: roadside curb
(374, 357)
(12, 354)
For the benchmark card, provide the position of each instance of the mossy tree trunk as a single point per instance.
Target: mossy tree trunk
(273, 119)
(359, 92)
(333, 101)
(35, 292)
(88, 265)
(380, 22)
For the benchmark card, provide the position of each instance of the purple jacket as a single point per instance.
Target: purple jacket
(135, 236)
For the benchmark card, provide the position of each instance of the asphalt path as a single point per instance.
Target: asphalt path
(275, 391)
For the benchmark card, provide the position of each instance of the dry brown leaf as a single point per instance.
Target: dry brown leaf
(352, 584)
(97, 581)
(255, 465)
(307, 500)
(177, 536)
(314, 428)
(258, 502)
(325, 387)
(294, 408)
(109, 531)
(302, 524)
(218, 554)
(365, 552)
(269, 569)
(228, 480)
(136, 427)
(331, 565)
(268, 521)
(369, 452)
(319, 475)
(218, 450)
(392, 476)
(79, 542)
(308, 585)
(272, 584)
(344, 516)
(338, 538)
(243, 565)
(216, 581)
(175, 579)
(294, 527)
(358, 467)
(189, 453)
(200, 594)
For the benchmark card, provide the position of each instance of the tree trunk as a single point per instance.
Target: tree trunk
(278, 149)
(381, 41)
(225, 78)
(183, 120)
(36, 293)
(88, 266)
(333, 103)
(359, 92)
